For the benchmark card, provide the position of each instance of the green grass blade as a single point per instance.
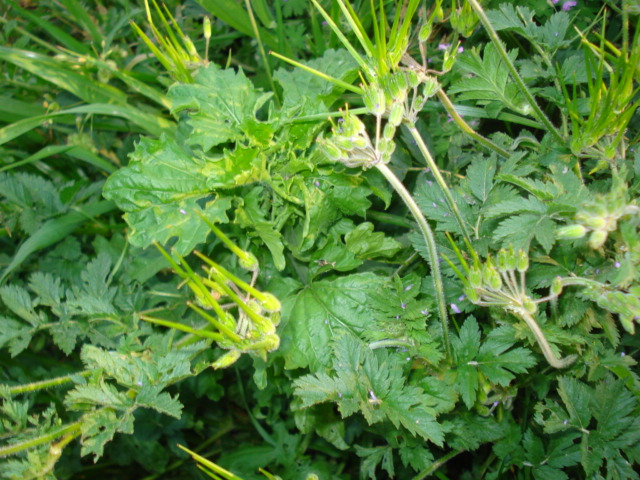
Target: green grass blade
(152, 124)
(44, 153)
(61, 75)
(79, 13)
(59, 35)
(55, 230)
(235, 15)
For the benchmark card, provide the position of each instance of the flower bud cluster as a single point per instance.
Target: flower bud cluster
(600, 217)
(350, 144)
(626, 305)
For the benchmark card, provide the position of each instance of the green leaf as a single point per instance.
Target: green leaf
(216, 116)
(161, 190)
(490, 84)
(366, 244)
(373, 384)
(310, 317)
(490, 358)
(99, 427)
(480, 177)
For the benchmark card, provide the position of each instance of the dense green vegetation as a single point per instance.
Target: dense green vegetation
(323, 239)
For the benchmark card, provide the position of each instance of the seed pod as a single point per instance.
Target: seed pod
(556, 286)
(472, 294)
(226, 360)
(597, 238)
(207, 28)
(248, 261)
(512, 259)
(495, 280)
(571, 231)
(389, 131)
(431, 87)
(413, 78)
(360, 142)
(270, 302)
(425, 31)
(502, 260)
(375, 100)
(475, 277)
(332, 151)
(397, 114)
(593, 222)
(345, 144)
(523, 261)
(529, 305)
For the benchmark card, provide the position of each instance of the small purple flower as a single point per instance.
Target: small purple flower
(403, 305)
(555, 1)
(408, 358)
(339, 395)
(455, 308)
(460, 49)
(443, 46)
(408, 287)
(373, 396)
(622, 354)
(424, 312)
(462, 297)
(566, 6)
(565, 422)
(617, 264)
(316, 183)
(496, 403)
(183, 212)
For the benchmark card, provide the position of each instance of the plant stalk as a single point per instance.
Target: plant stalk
(34, 442)
(430, 241)
(443, 185)
(540, 115)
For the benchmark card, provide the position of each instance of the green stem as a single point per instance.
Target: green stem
(53, 382)
(436, 465)
(466, 128)
(542, 118)
(443, 185)
(34, 442)
(431, 248)
(554, 361)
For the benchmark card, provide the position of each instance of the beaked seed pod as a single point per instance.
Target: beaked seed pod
(475, 277)
(512, 258)
(413, 78)
(226, 360)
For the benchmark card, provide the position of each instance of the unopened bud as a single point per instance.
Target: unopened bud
(597, 238)
(502, 260)
(431, 87)
(512, 258)
(389, 131)
(529, 305)
(571, 231)
(207, 28)
(424, 33)
(226, 360)
(374, 100)
(397, 114)
(556, 286)
(523, 261)
(270, 302)
(475, 277)
(413, 78)
(248, 261)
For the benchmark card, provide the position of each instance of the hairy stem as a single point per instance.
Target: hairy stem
(540, 115)
(443, 185)
(554, 361)
(34, 442)
(431, 248)
(436, 465)
(466, 128)
(49, 383)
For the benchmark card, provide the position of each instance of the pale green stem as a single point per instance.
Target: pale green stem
(53, 382)
(436, 465)
(542, 118)
(41, 440)
(263, 54)
(443, 185)
(431, 248)
(554, 361)
(466, 128)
